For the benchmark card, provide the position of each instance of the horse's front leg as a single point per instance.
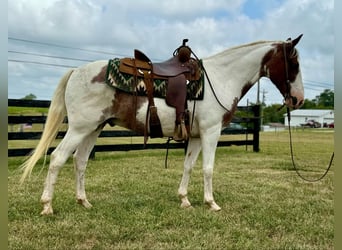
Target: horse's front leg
(194, 147)
(209, 144)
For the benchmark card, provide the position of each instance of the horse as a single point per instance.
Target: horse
(89, 104)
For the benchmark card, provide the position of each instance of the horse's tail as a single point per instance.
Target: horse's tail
(55, 117)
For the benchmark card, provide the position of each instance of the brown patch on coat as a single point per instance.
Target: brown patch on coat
(245, 88)
(124, 109)
(228, 116)
(273, 65)
(101, 76)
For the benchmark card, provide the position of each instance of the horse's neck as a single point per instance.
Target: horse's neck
(234, 70)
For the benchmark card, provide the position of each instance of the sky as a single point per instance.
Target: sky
(43, 36)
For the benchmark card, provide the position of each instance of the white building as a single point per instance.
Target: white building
(302, 116)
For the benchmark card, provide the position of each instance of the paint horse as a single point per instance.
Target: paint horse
(90, 103)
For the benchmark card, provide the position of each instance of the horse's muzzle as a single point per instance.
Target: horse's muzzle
(294, 102)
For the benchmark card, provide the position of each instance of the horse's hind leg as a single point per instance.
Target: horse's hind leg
(194, 147)
(81, 157)
(58, 157)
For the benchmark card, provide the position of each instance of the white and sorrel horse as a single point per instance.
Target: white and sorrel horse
(90, 103)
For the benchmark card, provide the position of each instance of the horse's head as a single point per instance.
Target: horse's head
(281, 66)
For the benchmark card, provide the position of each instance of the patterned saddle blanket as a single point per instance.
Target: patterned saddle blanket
(132, 84)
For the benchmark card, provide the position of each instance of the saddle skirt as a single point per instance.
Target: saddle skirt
(136, 85)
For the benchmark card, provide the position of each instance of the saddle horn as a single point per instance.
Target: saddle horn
(185, 41)
(183, 52)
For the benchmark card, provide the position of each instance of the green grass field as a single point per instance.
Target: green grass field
(265, 205)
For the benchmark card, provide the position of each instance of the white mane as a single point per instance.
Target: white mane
(239, 50)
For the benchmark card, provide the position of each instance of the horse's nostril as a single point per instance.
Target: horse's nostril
(294, 100)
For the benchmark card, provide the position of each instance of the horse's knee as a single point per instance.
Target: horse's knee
(208, 171)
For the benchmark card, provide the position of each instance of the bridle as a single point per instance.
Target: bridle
(294, 100)
(287, 80)
(287, 94)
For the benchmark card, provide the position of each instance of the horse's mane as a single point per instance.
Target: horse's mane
(243, 48)
(249, 44)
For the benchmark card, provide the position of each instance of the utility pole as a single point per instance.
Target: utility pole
(258, 93)
(263, 101)
(264, 95)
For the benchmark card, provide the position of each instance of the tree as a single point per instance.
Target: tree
(325, 100)
(309, 104)
(29, 97)
(273, 113)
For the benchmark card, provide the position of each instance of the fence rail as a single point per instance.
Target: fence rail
(252, 123)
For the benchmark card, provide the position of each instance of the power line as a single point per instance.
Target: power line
(74, 48)
(315, 82)
(316, 87)
(320, 85)
(41, 63)
(63, 46)
(49, 56)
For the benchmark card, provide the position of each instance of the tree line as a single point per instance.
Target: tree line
(272, 113)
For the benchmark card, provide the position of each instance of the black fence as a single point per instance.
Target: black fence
(249, 118)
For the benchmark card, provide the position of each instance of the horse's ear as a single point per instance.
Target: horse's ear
(295, 41)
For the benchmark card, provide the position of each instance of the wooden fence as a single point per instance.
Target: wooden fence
(250, 120)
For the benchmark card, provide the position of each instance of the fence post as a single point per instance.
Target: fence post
(256, 127)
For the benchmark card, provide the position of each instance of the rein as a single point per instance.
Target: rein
(292, 157)
(210, 84)
(288, 95)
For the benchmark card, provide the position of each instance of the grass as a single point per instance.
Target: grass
(26, 111)
(135, 204)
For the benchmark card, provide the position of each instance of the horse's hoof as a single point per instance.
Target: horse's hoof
(185, 203)
(186, 206)
(213, 206)
(84, 202)
(47, 209)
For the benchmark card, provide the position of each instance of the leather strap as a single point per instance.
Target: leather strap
(149, 87)
(149, 90)
(152, 118)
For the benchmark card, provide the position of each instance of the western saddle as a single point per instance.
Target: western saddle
(176, 71)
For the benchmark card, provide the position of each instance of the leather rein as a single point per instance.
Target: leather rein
(288, 95)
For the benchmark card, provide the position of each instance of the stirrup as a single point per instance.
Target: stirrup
(180, 134)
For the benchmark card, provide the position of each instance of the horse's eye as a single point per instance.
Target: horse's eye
(295, 65)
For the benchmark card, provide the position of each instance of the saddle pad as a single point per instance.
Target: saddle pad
(131, 84)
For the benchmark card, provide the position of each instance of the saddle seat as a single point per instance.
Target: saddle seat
(171, 67)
